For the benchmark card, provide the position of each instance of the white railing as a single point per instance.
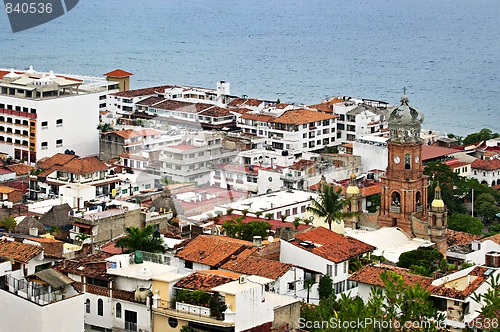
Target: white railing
(192, 309)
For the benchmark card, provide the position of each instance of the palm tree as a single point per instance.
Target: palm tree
(105, 127)
(82, 237)
(55, 230)
(141, 239)
(331, 205)
(9, 223)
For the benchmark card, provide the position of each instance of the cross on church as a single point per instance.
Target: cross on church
(404, 91)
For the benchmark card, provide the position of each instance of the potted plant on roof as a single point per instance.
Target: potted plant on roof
(283, 217)
(268, 216)
(245, 212)
(258, 214)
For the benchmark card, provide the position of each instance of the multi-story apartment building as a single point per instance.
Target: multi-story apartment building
(293, 131)
(191, 160)
(357, 118)
(42, 113)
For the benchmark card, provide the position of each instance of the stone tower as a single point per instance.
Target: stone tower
(438, 221)
(353, 193)
(404, 186)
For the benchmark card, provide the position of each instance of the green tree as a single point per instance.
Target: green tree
(9, 223)
(105, 127)
(82, 237)
(375, 202)
(465, 223)
(236, 228)
(483, 135)
(331, 205)
(394, 303)
(486, 206)
(423, 261)
(491, 300)
(140, 239)
(325, 287)
(55, 230)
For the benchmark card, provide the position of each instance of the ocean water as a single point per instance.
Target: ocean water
(446, 52)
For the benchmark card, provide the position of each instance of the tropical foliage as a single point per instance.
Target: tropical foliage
(423, 261)
(465, 223)
(331, 205)
(140, 239)
(236, 228)
(8, 223)
(391, 307)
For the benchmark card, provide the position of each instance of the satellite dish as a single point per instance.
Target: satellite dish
(270, 239)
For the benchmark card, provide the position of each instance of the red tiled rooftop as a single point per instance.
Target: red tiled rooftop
(442, 290)
(257, 117)
(212, 250)
(487, 164)
(302, 116)
(245, 102)
(183, 147)
(249, 264)
(432, 151)
(203, 280)
(141, 92)
(456, 238)
(332, 246)
(118, 73)
(370, 275)
(19, 169)
(57, 159)
(17, 251)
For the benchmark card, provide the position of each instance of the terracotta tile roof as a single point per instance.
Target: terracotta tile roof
(495, 238)
(20, 252)
(432, 152)
(118, 73)
(88, 266)
(204, 281)
(142, 92)
(371, 190)
(330, 245)
(133, 156)
(85, 165)
(19, 169)
(370, 275)
(111, 248)
(57, 159)
(212, 250)
(302, 116)
(169, 104)
(126, 133)
(238, 102)
(456, 238)
(257, 117)
(487, 165)
(7, 190)
(443, 290)
(281, 106)
(239, 110)
(246, 263)
(150, 101)
(216, 112)
(302, 164)
(323, 107)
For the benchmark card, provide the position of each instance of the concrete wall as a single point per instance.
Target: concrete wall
(252, 309)
(21, 315)
(287, 315)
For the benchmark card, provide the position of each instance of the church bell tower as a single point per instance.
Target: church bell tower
(404, 186)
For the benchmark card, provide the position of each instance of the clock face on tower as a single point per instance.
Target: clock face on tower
(397, 160)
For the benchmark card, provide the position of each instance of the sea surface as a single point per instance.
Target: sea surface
(445, 52)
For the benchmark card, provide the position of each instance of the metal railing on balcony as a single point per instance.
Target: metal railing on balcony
(395, 209)
(130, 326)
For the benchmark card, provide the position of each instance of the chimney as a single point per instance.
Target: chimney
(33, 231)
(257, 241)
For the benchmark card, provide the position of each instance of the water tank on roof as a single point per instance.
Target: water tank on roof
(492, 259)
(138, 259)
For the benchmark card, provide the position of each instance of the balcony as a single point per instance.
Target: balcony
(191, 312)
(192, 309)
(395, 209)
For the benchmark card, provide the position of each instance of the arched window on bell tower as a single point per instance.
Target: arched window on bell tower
(407, 161)
(418, 199)
(433, 220)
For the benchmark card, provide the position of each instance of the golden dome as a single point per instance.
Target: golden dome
(437, 203)
(353, 190)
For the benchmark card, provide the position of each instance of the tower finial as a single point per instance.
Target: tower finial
(404, 91)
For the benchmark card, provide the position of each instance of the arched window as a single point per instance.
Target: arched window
(418, 198)
(100, 309)
(433, 224)
(87, 306)
(396, 199)
(118, 310)
(407, 161)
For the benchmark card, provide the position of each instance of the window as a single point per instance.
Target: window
(345, 267)
(45, 145)
(329, 270)
(58, 143)
(188, 264)
(100, 307)
(124, 191)
(45, 124)
(173, 322)
(407, 161)
(335, 269)
(59, 122)
(87, 306)
(118, 310)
